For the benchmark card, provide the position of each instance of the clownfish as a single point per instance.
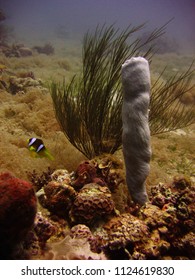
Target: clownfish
(38, 149)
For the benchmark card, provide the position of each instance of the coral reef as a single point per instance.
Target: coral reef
(84, 222)
(84, 192)
(18, 207)
(153, 248)
(118, 237)
(58, 195)
(176, 202)
(155, 232)
(21, 82)
(21, 85)
(43, 229)
(136, 132)
(40, 180)
(162, 229)
(59, 198)
(86, 173)
(103, 170)
(110, 169)
(92, 203)
(16, 50)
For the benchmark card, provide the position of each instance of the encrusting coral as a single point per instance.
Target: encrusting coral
(43, 229)
(59, 198)
(154, 232)
(120, 234)
(103, 170)
(178, 202)
(92, 203)
(86, 173)
(57, 194)
(85, 222)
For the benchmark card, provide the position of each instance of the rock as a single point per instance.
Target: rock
(25, 51)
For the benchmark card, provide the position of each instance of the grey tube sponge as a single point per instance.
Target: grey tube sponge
(136, 132)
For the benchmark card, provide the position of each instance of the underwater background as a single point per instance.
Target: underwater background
(40, 42)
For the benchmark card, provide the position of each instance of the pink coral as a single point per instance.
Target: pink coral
(43, 228)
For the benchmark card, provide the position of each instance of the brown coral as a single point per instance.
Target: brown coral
(102, 170)
(177, 199)
(153, 248)
(172, 212)
(86, 173)
(120, 235)
(59, 198)
(110, 169)
(155, 218)
(92, 203)
(40, 180)
(61, 176)
(80, 231)
(186, 245)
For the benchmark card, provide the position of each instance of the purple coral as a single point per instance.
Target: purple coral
(43, 228)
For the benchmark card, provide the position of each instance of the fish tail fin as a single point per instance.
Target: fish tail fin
(48, 155)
